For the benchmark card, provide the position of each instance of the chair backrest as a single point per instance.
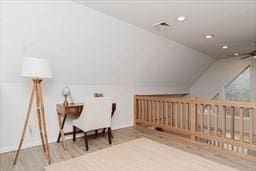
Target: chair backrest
(96, 114)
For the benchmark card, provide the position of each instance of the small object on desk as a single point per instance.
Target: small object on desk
(98, 94)
(65, 92)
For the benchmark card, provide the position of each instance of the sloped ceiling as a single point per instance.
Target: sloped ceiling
(233, 22)
(91, 48)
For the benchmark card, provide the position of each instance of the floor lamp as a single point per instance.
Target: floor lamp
(37, 69)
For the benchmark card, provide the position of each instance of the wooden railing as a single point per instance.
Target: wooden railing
(218, 122)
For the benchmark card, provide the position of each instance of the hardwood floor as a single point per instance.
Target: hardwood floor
(31, 159)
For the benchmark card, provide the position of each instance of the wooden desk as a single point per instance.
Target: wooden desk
(73, 110)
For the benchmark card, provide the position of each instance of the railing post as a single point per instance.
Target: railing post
(135, 110)
(193, 119)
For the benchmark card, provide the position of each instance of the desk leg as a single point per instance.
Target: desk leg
(62, 126)
(61, 133)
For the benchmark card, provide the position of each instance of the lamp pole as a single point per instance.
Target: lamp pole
(37, 92)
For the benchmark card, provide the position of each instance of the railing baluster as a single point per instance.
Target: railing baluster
(171, 114)
(216, 120)
(162, 112)
(251, 125)
(139, 109)
(181, 115)
(141, 106)
(241, 112)
(220, 112)
(209, 111)
(232, 125)
(149, 111)
(143, 110)
(224, 111)
(193, 119)
(154, 113)
(186, 115)
(176, 115)
(157, 112)
(135, 110)
(202, 118)
(166, 114)
(146, 110)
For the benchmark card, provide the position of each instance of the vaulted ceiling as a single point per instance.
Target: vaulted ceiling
(88, 47)
(232, 23)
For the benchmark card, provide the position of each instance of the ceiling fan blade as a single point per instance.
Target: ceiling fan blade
(246, 57)
(243, 54)
(240, 55)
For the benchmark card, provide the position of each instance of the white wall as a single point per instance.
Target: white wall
(218, 76)
(15, 96)
(90, 52)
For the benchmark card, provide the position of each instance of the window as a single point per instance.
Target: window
(239, 88)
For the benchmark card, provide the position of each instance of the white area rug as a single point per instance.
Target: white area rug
(139, 155)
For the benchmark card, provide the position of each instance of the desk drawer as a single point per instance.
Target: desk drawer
(72, 110)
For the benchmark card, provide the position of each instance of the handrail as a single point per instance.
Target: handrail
(198, 101)
(228, 122)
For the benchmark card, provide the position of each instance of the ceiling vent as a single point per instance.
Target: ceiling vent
(161, 25)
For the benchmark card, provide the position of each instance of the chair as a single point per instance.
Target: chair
(96, 115)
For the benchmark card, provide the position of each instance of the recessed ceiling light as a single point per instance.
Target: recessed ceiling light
(236, 54)
(181, 18)
(224, 46)
(209, 36)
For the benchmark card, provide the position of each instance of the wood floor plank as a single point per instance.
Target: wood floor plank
(31, 159)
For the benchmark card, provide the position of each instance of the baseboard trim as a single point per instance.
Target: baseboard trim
(50, 140)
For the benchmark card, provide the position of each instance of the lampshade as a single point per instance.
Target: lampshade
(36, 68)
